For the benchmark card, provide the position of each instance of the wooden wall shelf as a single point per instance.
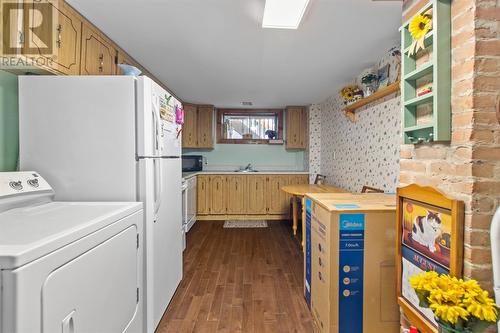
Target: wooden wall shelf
(350, 110)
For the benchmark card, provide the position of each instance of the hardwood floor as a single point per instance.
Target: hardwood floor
(239, 280)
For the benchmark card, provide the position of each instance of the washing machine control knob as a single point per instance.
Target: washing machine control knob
(33, 182)
(16, 185)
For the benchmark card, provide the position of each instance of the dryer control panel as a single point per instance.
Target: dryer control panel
(12, 183)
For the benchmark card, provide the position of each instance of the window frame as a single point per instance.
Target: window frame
(244, 112)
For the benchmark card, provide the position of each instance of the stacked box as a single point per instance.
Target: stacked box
(350, 278)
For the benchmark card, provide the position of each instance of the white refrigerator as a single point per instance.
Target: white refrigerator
(112, 138)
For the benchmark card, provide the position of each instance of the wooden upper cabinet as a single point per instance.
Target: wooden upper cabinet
(257, 195)
(203, 194)
(217, 194)
(98, 53)
(277, 200)
(190, 129)
(63, 55)
(236, 194)
(205, 122)
(296, 127)
(198, 128)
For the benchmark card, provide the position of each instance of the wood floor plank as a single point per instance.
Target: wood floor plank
(240, 280)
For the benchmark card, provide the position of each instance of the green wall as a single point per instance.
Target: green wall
(263, 157)
(9, 123)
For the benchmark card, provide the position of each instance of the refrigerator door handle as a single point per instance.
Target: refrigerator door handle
(156, 131)
(158, 185)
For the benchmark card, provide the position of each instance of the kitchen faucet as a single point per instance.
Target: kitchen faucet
(249, 166)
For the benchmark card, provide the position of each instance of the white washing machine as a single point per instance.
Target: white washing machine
(67, 266)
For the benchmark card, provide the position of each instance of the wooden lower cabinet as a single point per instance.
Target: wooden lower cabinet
(257, 195)
(277, 201)
(218, 195)
(236, 195)
(245, 196)
(203, 205)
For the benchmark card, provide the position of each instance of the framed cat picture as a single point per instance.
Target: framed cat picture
(430, 238)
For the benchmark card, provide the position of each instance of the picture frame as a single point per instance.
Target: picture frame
(383, 76)
(429, 237)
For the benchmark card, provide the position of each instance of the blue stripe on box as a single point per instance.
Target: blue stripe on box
(346, 206)
(351, 261)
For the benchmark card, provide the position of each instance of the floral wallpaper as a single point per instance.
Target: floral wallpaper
(365, 152)
(313, 154)
(354, 154)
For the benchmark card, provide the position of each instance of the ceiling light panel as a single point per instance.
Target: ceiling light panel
(284, 14)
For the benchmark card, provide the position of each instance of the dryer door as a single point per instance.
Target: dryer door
(95, 292)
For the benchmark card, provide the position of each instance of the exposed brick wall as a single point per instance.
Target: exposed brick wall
(467, 168)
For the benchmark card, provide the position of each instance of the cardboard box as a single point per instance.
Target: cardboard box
(349, 262)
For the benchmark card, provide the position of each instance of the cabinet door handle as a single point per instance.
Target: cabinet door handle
(59, 36)
(21, 37)
(101, 62)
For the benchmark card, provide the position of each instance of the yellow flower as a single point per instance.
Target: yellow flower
(480, 305)
(425, 282)
(450, 298)
(419, 26)
(449, 313)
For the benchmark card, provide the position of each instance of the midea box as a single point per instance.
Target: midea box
(350, 279)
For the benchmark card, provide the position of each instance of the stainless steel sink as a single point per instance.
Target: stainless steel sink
(248, 168)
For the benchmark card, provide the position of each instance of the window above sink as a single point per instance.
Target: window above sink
(249, 126)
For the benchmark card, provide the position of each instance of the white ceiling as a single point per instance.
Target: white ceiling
(215, 51)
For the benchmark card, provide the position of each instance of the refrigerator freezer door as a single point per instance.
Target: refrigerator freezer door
(161, 192)
(79, 133)
(158, 132)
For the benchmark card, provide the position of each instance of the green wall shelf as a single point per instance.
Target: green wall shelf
(437, 70)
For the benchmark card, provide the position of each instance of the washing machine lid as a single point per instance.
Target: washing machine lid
(28, 233)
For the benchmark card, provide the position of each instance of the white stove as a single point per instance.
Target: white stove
(67, 266)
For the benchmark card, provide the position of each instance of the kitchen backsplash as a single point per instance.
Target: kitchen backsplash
(229, 157)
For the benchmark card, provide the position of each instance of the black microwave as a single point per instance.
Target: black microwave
(192, 163)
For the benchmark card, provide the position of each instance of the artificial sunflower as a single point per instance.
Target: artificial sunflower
(419, 26)
(458, 305)
(351, 93)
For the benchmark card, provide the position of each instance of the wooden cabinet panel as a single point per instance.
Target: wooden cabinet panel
(217, 194)
(98, 54)
(296, 127)
(257, 195)
(203, 195)
(65, 34)
(236, 194)
(277, 200)
(189, 129)
(298, 179)
(205, 127)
